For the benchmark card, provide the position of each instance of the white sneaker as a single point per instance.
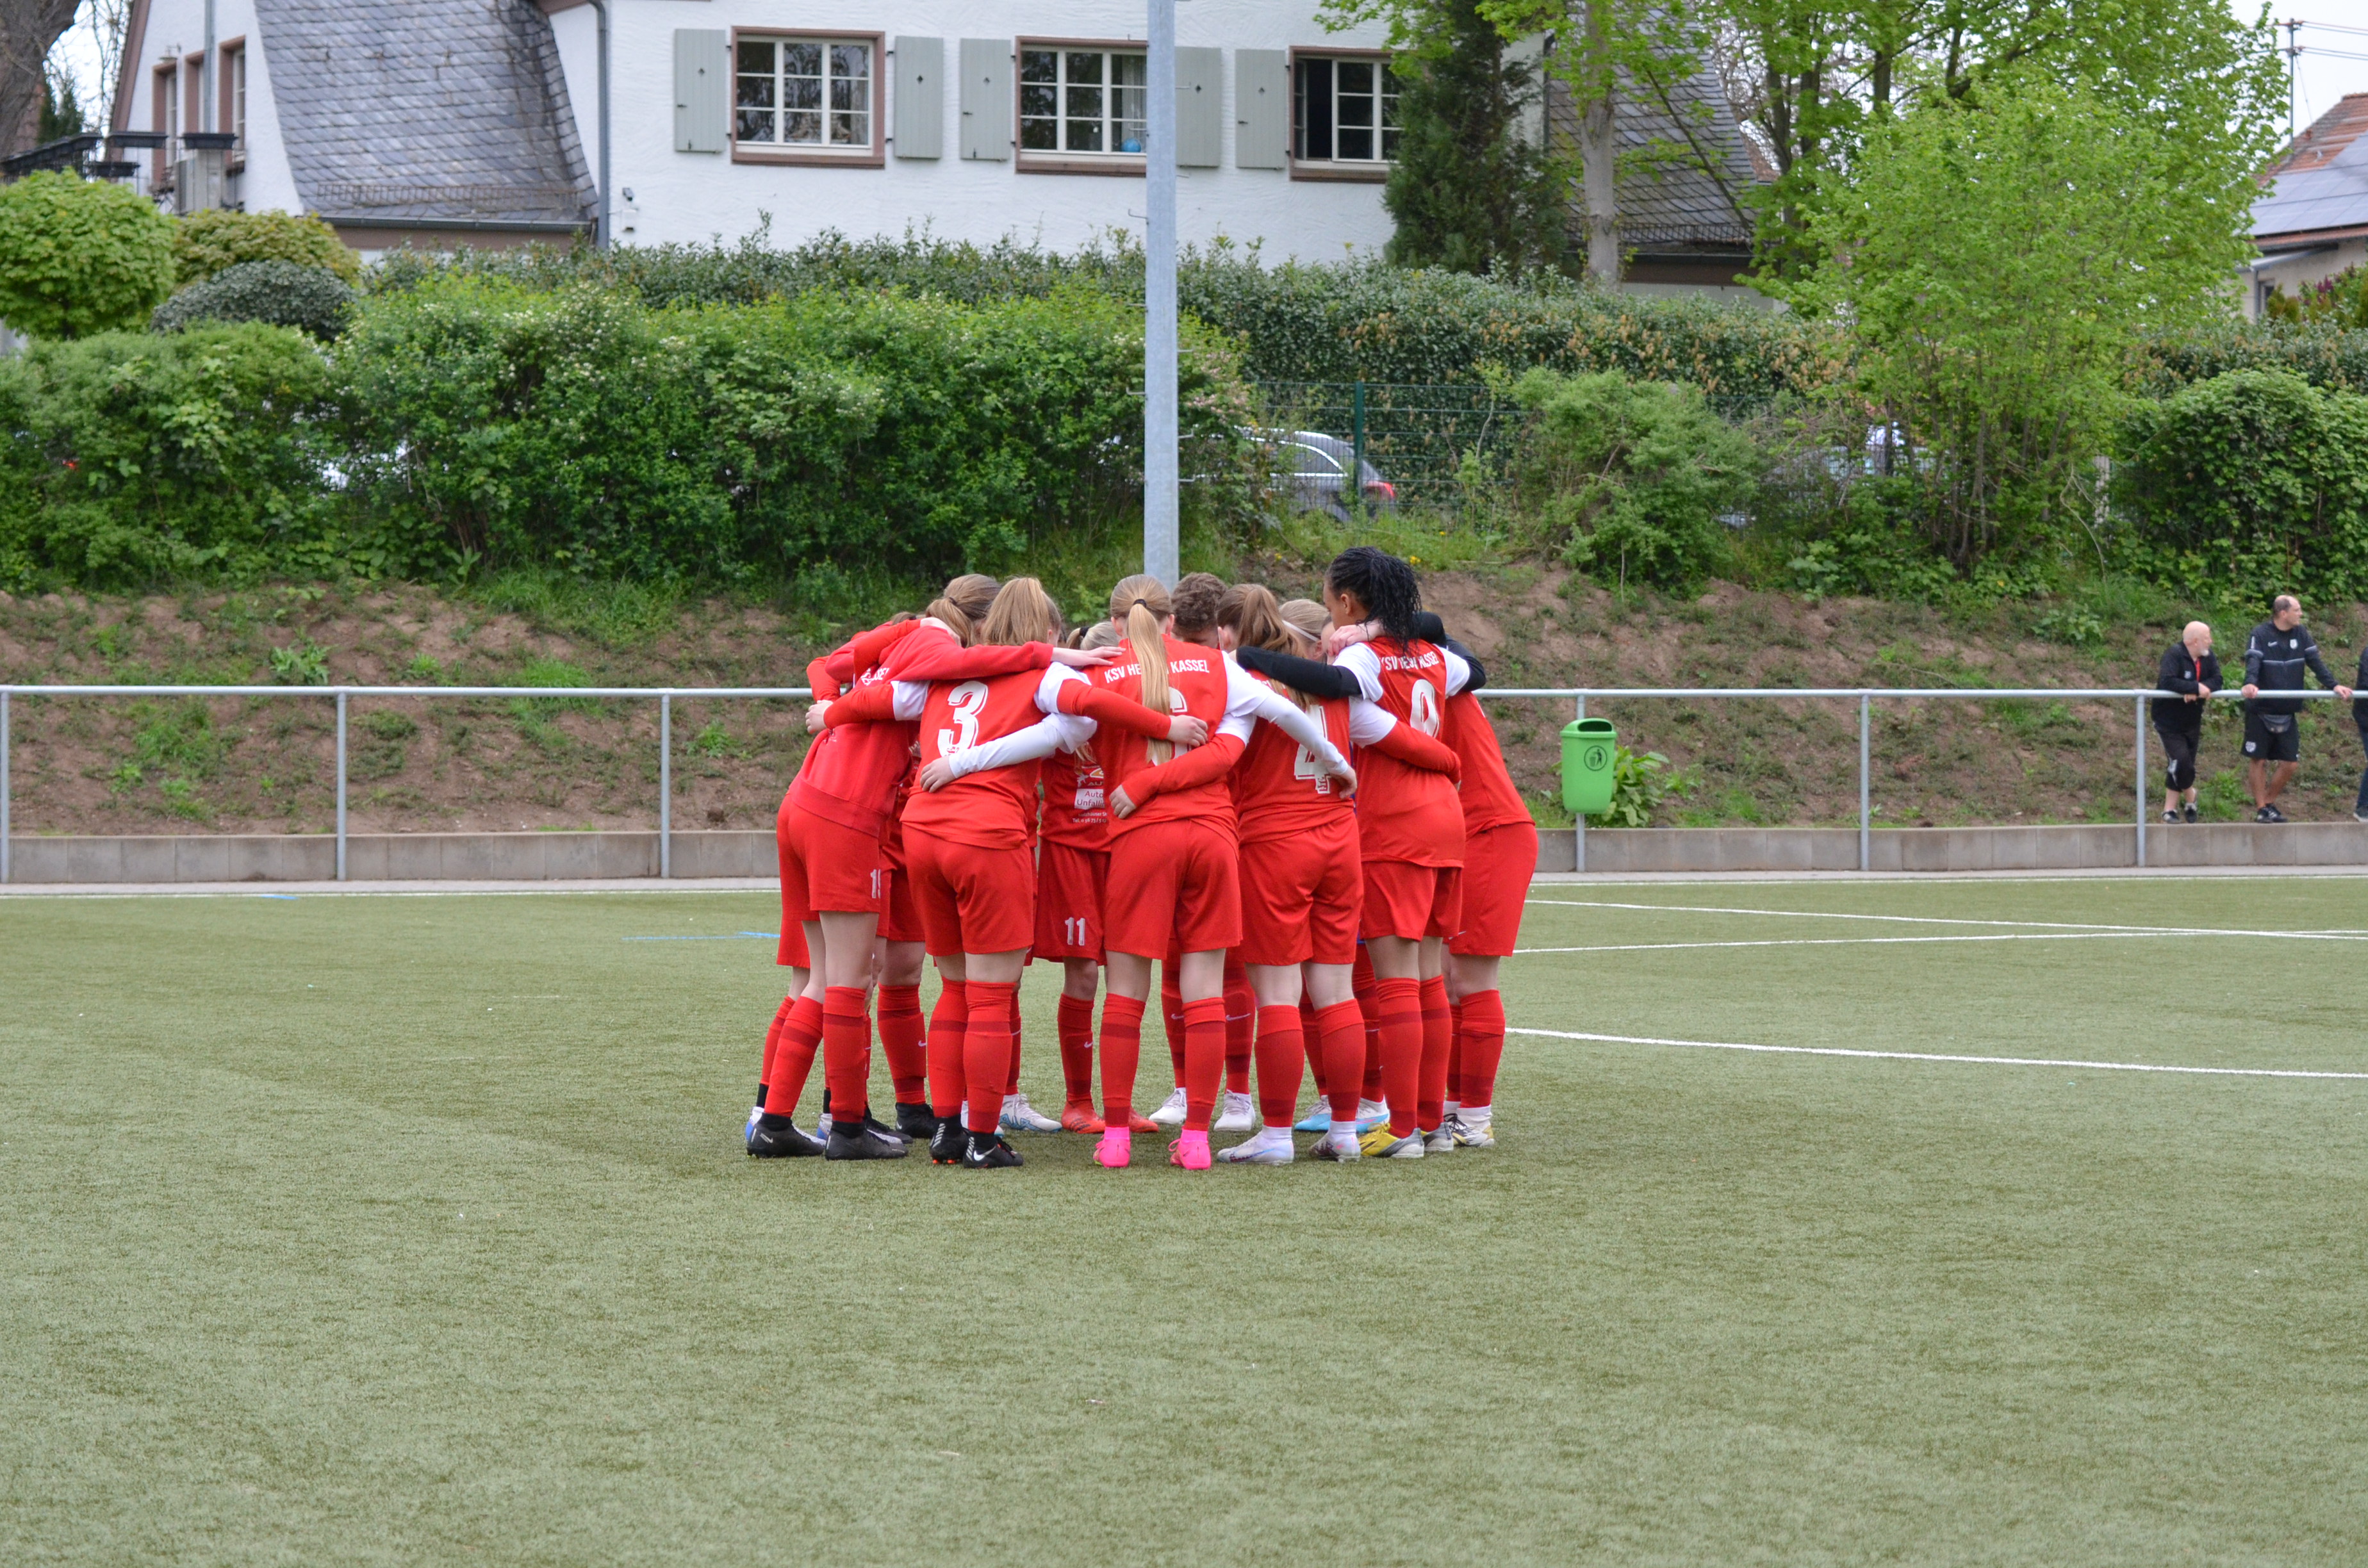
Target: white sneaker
(1340, 1146)
(1239, 1113)
(1271, 1147)
(1441, 1140)
(1473, 1129)
(1019, 1116)
(1172, 1111)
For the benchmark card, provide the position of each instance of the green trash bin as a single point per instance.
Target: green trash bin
(1588, 746)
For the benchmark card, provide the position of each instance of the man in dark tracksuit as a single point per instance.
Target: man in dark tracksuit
(2360, 717)
(2188, 668)
(2276, 656)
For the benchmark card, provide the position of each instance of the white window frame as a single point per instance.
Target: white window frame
(1384, 125)
(870, 152)
(1064, 159)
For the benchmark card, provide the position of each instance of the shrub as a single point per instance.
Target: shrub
(309, 299)
(80, 257)
(1631, 479)
(207, 243)
(146, 457)
(2248, 484)
(2322, 353)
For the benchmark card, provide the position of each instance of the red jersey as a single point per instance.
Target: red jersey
(851, 773)
(1403, 812)
(1488, 795)
(1077, 800)
(1198, 683)
(1278, 787)
(994, 808)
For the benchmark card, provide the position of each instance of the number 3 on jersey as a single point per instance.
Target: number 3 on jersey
(965, 702)
(1422, 708)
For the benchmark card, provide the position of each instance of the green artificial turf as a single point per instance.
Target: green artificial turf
(373, 1230)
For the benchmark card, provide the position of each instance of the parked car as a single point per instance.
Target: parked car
(1314, 467)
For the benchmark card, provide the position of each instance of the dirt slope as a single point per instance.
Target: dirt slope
(265, 765)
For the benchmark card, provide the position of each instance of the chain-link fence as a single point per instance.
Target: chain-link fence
(1410, 444)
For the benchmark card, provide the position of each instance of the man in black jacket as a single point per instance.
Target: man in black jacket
(2276, 656)
(2360, 717)
(2189, 669)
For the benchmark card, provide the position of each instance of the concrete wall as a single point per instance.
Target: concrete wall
(559, 856)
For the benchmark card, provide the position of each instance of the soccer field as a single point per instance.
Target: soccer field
(416, 1229)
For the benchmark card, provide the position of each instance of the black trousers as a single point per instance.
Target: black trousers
(2179, 754)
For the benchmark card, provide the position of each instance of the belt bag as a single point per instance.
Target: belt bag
(2277, 723)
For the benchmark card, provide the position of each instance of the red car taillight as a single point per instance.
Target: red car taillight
(1387, 491)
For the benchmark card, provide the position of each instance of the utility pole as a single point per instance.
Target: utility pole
(1159, 476)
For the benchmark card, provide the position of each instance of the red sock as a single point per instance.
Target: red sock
(1438, 1038)
(948, 1084)
(1309, 1033)
(1121, 1044)
(847, 1052)
(1171, 1012)
(900, 1040)
(1367, 988)
(1076, 1026)
(794, 1056)
(773, 1044)
(987, 1051)
(1399, 1023)
(1204, 1060)
(1483, 1046)
(1011, 1073)
(1241, 1022)
(1455, 1053)
(1340, 1040)
(1282, 1062)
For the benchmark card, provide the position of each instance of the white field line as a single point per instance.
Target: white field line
(2334, 935)
(1923, 1056)
(1876, 941)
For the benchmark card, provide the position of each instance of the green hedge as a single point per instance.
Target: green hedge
(2325, 356)
(472, 419)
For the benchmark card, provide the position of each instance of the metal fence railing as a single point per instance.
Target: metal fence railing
(1417, 436)
(1865, 696)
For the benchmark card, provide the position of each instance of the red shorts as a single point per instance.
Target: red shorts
(971, 900)
(1497, 866)
(1300, 897)
(1069, 882)
(1406, 900)
(823, 866)
(900, 918)
(1172, 883)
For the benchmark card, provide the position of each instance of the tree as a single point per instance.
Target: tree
(2000, 252)
(29, 31)
(1826, 73)
(79, 256)
(1469, 192)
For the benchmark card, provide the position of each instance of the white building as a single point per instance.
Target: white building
(438, 122)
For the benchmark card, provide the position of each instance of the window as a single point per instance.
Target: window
(1083, 101)
(167, 120)
(234, 97)
(1344, 110)
(805, 94)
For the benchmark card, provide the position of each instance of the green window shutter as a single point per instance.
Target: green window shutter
(986, 99)
(1200, 108)
(703, 88)
(920, 118)
(1262, 108)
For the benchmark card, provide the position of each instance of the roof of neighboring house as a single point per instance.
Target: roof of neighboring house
(433, 110)
(1684, 162)
(2319, 190)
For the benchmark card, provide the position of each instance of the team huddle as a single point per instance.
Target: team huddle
(1297, 811)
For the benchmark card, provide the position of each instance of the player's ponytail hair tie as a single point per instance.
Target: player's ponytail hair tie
(1139, 604)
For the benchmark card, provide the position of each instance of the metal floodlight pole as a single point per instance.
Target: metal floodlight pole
(1159, 476)
(1865, 725)
(665, 785)
(341, 785)
(601, 220)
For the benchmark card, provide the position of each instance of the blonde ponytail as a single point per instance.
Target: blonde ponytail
(963, 605)
(1023, 612)
(1140, 603)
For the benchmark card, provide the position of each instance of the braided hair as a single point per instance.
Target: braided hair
(1382, 583)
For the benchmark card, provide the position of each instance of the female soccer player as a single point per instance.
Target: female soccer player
(1173, 874)
(1500, 856)
(1302, 888)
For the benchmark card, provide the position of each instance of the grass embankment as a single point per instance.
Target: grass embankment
(263, 765)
